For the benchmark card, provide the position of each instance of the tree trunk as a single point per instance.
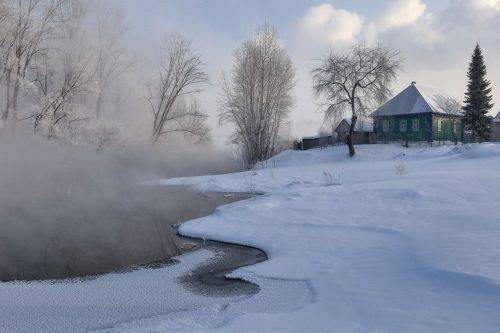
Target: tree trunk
(349, 139)
(13, 113)
(98, 106)
(5, 114)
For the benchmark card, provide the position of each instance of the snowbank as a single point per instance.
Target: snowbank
(393, 240)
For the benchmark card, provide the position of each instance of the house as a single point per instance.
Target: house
(318, 141)
(363, 131)
(418, 113)
(495, 128)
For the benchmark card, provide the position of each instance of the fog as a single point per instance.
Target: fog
(67, 212)
(85, 118)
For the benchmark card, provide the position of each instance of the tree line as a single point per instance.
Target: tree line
(62, 61)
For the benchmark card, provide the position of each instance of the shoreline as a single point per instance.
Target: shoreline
(210, 278)
(206, 278)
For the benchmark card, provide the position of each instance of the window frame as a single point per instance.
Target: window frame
(403, 125)
(415, 125)
(385, 126)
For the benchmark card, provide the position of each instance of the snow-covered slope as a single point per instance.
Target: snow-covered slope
(393, 240)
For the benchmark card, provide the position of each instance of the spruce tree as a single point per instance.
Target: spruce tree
(478, 99)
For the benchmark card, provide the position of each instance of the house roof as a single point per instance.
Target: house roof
(497, 118)
(415, 99)
(362, 124)
(313, 137)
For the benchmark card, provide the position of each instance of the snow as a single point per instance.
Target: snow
(407, 241)
(497, 118)
(362, 125)
(432, 95)
(387, 250)
(77, 306)
(142, 300)
(312, 137)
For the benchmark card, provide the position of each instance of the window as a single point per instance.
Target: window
(385, 126)
(456, 124)
(402, 125)
(416, 125)
(439, 125)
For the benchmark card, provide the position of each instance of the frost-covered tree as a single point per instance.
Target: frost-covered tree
(257, 96)
(112, 59)
(61, 69)
(30, 23)
(61, 73)
(62, 80)
(6, 20)
(478, 99)
(171, 97)
(356, 81)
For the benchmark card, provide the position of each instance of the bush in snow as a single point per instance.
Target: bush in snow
(331, 179)
(400, 169)
(250, 181)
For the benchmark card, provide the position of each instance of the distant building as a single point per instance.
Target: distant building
(415, 115)
(363, 131)
(495, 128)
(318, 141)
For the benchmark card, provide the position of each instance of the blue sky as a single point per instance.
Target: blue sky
(435, 38)
(229, 19)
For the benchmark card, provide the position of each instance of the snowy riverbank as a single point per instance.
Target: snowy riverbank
(406, 241)
(393, 240)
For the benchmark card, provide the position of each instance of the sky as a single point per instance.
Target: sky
(435, 39)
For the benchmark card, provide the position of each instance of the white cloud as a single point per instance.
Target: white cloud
(487, 4)
(436, 45)
(332, 25)
(402, 13)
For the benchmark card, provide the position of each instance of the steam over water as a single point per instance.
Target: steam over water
(67, 213)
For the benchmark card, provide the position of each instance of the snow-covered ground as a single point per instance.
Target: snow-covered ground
(395, 240)
(392, 240)
(77, 306)
(148, 300)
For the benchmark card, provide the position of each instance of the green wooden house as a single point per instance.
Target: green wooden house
(495, 128)
(419, 113)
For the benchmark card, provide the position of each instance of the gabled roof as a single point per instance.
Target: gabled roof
(362, 124)
(497, 118)
(415, 99)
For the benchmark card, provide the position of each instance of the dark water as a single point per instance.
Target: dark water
(209, 279)
(52, 243)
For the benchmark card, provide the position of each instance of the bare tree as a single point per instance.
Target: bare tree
(33, 21)
(61, 73)
(170, 99)
(55, 91)
(111, 61)
(356, 81)
(6, 19)
(257, 97)
(453, 109)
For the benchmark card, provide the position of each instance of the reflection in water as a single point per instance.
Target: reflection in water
(71, 235)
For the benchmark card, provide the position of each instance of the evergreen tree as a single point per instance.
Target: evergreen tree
(478, 98)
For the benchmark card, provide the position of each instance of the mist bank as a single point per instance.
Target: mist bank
(68, 211)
